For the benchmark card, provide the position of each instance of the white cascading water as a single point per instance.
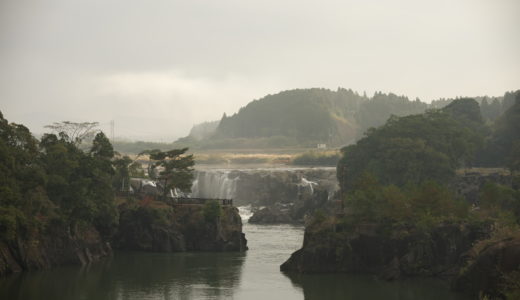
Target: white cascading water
(307, 183)
(217, 184)
(245, 212)
(214, 184)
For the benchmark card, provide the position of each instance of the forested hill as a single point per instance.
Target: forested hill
(316, 114)
(304, 118)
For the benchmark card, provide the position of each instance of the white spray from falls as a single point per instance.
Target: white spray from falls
(308, 184)
(245, 212)
(214, 184)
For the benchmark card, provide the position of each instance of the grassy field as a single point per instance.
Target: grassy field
(307, 157)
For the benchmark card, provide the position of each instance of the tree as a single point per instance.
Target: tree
(121, 181)
(101, 147)
(76, 132)
(175, 169)
(506, 137)
(80, 183)
(415, 148)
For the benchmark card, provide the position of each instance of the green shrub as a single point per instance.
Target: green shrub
(11, 219)
(212, 211)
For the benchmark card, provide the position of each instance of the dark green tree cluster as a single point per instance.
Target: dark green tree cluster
(503, 146)
(53, 182)
(491, 108)
(421, 206)
(399, 173)
(22, 182)
(174, 169)
(416, 148)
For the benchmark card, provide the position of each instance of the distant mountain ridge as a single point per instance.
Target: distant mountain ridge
(307, 117)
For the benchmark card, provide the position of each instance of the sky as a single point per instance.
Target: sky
(158, 67)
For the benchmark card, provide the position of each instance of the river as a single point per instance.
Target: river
(251, 275)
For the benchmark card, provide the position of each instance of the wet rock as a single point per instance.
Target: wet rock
(271, 216)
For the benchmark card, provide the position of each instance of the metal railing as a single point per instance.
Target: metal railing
(199, 201)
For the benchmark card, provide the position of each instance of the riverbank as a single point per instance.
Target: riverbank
(158, 227)
(52, 247)
(253, 274)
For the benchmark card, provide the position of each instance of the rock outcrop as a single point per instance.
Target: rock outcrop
(162, 228)
(493, 269)
(331, 247)
(296, 212)
(469, 184)
(52, 248)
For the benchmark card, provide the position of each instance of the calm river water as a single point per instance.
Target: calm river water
(251, 275)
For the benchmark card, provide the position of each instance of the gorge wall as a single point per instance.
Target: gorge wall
(54, 247)
(161, 228)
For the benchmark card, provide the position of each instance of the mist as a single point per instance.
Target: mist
(158, 68)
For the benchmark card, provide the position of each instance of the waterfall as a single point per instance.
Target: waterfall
(245, 212)
(307, 183)
(214, 184)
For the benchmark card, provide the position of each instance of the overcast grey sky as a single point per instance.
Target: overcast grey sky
(157, 67)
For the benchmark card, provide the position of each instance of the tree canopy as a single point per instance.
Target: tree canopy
(174, 168)
(415, 148)
(53, 181)
(75, 131)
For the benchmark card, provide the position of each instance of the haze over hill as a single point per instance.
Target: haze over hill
(158, 69)
(307, 117)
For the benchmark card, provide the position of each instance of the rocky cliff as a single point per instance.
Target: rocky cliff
(53, 247)
(162, 228)
(493, 269)
(329, 246)
(469, 184)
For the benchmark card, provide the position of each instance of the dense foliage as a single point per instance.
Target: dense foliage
(173, 169)
(53, 182)
(503, 145)
(416, 148)
(420, 206)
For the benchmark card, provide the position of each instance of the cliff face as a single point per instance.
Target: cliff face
(52, 248)
(493, 269)
(469, 185)
(331, 248)
(181, 228)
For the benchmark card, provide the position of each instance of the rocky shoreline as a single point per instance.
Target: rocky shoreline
(155, 227)
(178, 229)
(462, 253)
(53, 248)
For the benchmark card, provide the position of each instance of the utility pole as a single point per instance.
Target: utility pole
(112, 125)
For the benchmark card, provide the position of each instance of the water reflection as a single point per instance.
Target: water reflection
(134, 276)
(200, 275)
(345, 286)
